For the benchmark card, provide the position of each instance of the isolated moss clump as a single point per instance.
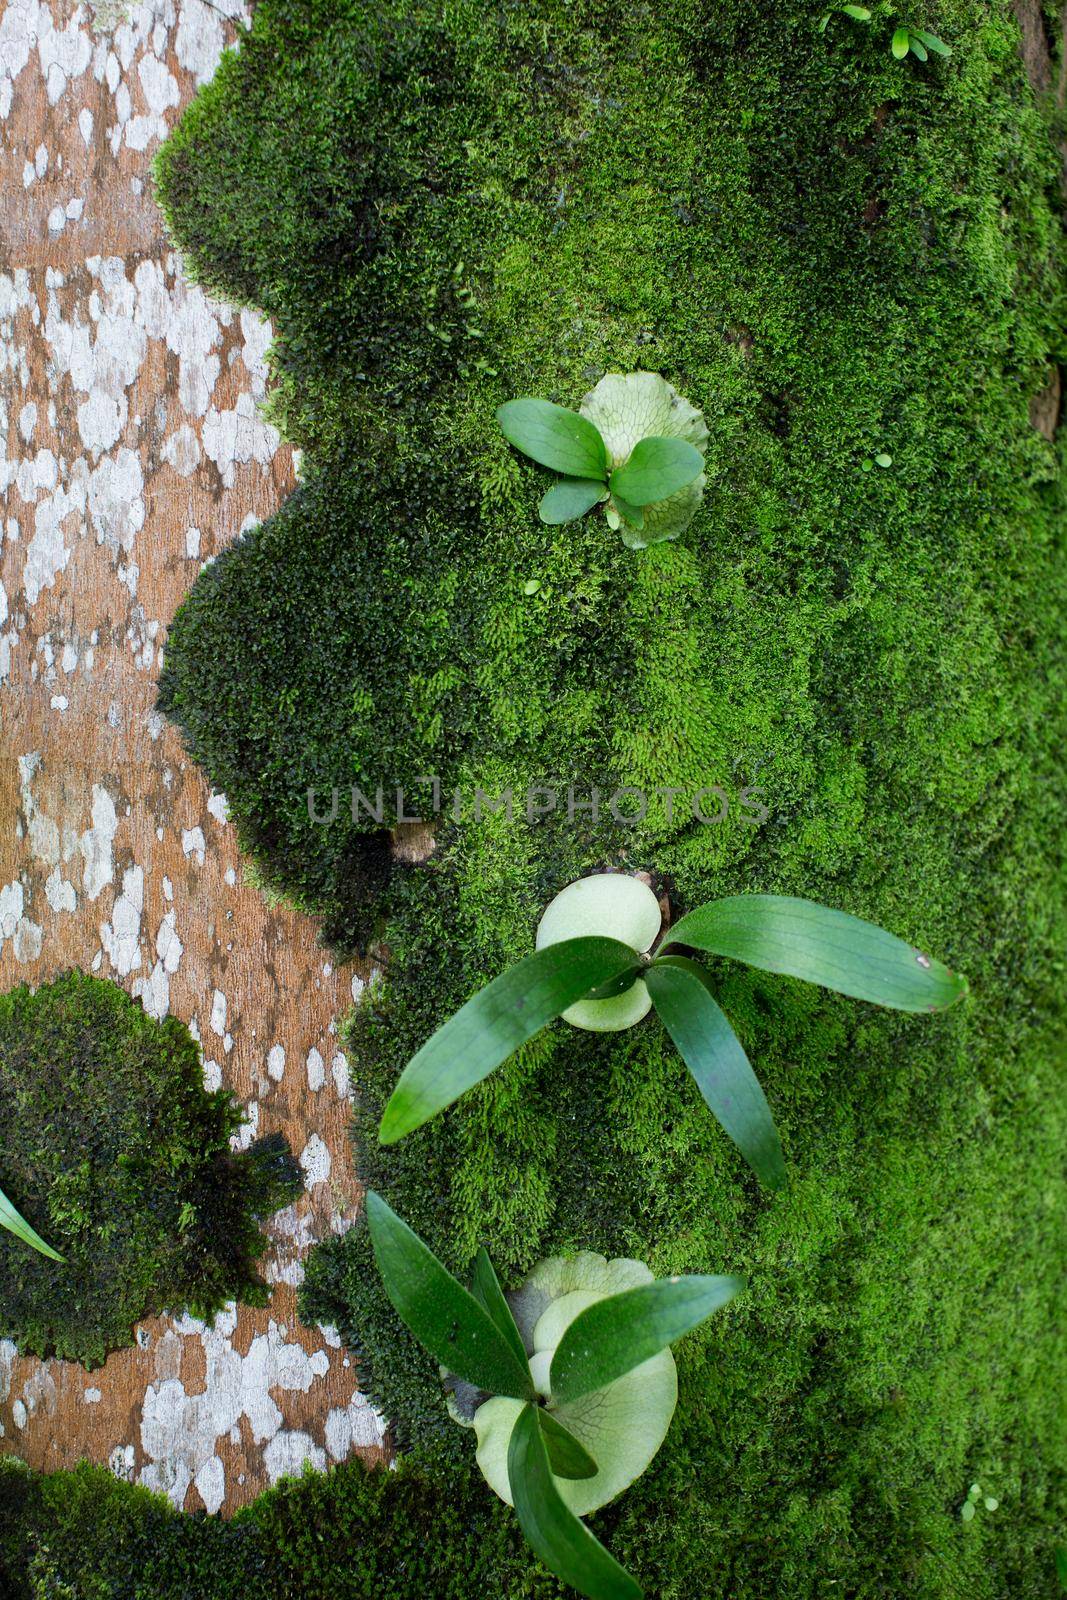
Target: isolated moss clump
(835, 256)
(113, 1150)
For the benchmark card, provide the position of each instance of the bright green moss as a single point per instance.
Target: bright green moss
(832, 254)
(113, 1150)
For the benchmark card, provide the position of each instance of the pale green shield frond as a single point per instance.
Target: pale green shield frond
(628, 909)
(622, 1425)
(627, 407)
(560, 1275)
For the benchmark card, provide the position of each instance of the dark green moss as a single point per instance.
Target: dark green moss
(834, 254)
(347, 1534)
(113, 1150)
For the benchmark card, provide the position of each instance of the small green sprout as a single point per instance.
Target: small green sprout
(882, 459)
(593, 966)
(635, 446)
(857, 13)
(530, 1363)
(974, 1499)
(919, 43)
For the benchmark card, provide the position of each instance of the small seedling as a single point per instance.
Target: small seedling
(592, 966)
(919, 43)
(975, 1499)
(857, 13)
(17, 1224)
(544, 1447)
(635, 447)
(880, 460)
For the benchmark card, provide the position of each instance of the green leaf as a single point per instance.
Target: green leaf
(804, 940)
(884, 459)
(634, 516)
(901, 43)
(656, 469)
(917, 48)
(17, 1224)
(554, 437)
(441, 1314)
(820, 26)
(932, 42)
(642, 405)
(566, 1456)
(564, 1544)
(681, 994)
(623, 1426)
(570, 499)
(967, 1511)
(494, 1023)
(615, 1335)
(486, 1289)
(860, 13)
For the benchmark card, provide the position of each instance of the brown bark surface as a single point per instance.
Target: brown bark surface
(132, 452)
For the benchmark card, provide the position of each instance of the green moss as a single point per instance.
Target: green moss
(832, 254)
(348, 1534)
(113, 1150)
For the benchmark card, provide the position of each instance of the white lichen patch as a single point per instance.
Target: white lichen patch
(121, 937)
(16, 925)
(316, 1070)
(96, 843)
(104, 325)
(356, 1426)
(180, 1432)
(237, 436)
(293, 1234)
(154, 991)
(218, 1013)
(342, 1081)
(193, 844)
(316, 1162)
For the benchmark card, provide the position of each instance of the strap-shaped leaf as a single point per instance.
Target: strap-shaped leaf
(570, 499)
(563, 1542)
(567, 1456)
(17, 1224)
(681, 994)
(804, 940)
(614, 1335)
(901, 43)
(554, 437)
(494, 1023)
(441, 1314)
(655, 469)
(485, 1287)
(932, 42)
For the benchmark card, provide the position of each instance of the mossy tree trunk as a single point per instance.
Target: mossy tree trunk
(838, 256)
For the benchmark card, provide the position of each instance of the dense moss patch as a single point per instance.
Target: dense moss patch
(113, 1150)
(344, 1535)
(832, 254)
